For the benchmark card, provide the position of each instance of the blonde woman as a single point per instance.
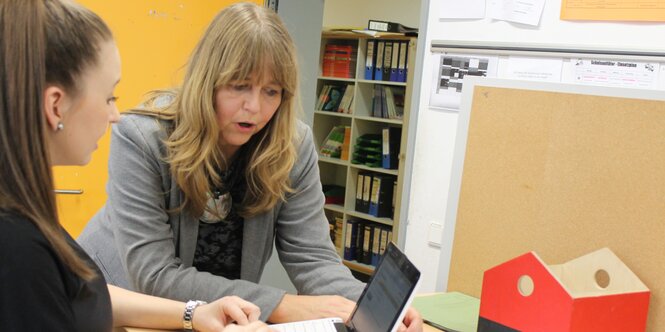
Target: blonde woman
(58, 69)
(205, 178)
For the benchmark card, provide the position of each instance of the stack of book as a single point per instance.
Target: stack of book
(339, 232)
(336, 223)
(336, 98)
(333, 194)
(365, 241)
(339, 61)
(388, 102)
(336, 144)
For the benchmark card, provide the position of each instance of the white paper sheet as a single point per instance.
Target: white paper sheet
(519, 11)
(603, 72)
(462, 9)
(448, 73)
(534, 69)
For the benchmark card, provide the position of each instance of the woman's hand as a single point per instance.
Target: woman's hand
(226, 311)
(303, 307)
(412, 322)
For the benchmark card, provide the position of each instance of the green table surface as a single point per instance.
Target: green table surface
(453, 311)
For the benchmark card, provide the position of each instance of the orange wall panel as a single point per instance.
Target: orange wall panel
(155, 38)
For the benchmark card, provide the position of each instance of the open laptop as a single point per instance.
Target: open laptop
(382, 304)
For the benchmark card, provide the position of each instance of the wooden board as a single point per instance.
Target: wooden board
(562, 174)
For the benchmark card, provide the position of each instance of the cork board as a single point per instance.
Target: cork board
(562, 174)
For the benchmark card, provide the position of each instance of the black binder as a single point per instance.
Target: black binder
(385, 26)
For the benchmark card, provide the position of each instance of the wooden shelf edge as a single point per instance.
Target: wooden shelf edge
(360, 267)
(344, 34)
(341, 115)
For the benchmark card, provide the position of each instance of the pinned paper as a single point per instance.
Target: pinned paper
(462, 9)
(522, 11)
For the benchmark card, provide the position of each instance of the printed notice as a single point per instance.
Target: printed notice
(519, 11)
(462, 9)
(628, 74)
(534, 69)
(449, 72)
(613, 10)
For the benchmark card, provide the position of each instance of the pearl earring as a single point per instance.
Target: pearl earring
(60, 127)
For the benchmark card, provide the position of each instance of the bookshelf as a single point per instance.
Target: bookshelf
(362, 120)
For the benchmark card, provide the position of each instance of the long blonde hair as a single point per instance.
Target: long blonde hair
(42, 42)
(242, 40)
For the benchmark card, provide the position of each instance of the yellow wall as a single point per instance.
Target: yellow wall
(154, 38)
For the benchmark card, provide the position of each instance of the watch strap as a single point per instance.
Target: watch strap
(188, 316)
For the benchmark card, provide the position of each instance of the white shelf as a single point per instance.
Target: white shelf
(381, 82)
(382, 120)
(339, 79)
(326, 113)
(335, 161)
(384, 221)
(334, 207)
(343, 172)
(376, 169)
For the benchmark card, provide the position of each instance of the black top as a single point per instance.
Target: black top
(38, 292)
(219, 243)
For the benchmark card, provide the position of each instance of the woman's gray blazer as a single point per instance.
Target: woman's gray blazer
(139, 246)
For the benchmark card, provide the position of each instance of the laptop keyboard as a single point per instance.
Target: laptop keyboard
(317, 325)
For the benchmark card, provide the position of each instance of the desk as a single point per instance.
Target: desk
(426, 328)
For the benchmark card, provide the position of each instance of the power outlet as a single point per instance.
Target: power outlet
(435, 234)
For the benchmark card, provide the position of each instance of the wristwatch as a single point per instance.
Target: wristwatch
(189, 314)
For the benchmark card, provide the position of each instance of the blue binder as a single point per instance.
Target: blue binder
(350, 240)
(397, 49)
(387, 59)
(378, 67)
(401, 66)
(376, 244)
(390, 146)
(370, 59)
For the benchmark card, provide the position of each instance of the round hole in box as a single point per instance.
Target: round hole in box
(525, 285)
(602, 278)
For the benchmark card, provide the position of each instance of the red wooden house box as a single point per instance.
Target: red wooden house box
(595, 292)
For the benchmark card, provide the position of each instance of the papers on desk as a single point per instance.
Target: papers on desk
(453, 311)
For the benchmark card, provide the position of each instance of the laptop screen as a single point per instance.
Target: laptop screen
(387, 294)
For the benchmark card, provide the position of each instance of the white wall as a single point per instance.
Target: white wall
(304, 30)
(551, 31)
(435, 135)
(344, 13)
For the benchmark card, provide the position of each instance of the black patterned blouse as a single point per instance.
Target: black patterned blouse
(219, 244)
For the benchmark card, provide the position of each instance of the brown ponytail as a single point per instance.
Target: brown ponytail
(41, 42)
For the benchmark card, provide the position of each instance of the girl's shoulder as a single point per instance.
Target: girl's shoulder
(20, 236)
